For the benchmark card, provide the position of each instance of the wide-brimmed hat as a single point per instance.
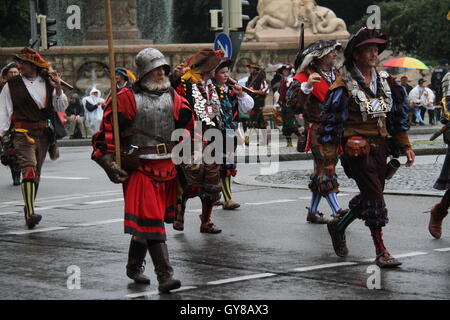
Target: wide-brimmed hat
(366, 36)
(316, 50)
(205, 60)
(28, 54)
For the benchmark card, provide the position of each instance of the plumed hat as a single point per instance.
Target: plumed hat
(316, 50)
(205, 60)
(28, 54)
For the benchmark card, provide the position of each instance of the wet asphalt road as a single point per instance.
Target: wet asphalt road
(266, 250)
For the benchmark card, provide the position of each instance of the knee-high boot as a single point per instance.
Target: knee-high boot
(163, 270)
(15, 176)
(136, 261)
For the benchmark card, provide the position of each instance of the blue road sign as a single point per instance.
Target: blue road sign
(223, 42)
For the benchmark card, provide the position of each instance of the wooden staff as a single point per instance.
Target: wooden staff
(112, 67)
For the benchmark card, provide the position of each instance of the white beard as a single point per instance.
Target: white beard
(156, 86)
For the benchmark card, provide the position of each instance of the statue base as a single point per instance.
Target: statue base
(293, 35)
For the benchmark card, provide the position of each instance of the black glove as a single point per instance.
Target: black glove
(114, 172)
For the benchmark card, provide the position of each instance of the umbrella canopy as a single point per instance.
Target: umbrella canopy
(406, 63)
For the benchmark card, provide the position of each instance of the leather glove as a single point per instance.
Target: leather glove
(114, 172)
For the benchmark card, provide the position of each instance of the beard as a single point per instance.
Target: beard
(156, 84)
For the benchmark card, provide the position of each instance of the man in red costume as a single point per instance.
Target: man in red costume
(306, 95)
(148, 114)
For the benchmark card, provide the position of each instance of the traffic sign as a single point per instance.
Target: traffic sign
(223, 42)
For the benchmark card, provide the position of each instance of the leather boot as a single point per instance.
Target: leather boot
(16, 177)
(312, 217)
(163, 269)
(438, 213)
(207, 226)
(136, 262)
(230, 205)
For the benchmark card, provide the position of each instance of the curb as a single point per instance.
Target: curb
(251, 181)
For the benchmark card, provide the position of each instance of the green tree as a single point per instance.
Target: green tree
(416, 27)
(14, 23)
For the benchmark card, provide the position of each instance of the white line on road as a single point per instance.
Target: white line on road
(269, 202)
(22, 232)
(339, 195)
(154, 293)
(65, 178)
(324, 266)
(96, 223)
(242, 278)
(442, 249)
(103, 201)
(9, 212)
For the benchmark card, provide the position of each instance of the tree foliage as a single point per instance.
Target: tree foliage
(14, 23)
(416, 27)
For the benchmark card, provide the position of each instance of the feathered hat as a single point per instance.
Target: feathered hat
(316, 50)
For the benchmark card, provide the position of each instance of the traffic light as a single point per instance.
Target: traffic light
(45, 33)
(236, 17)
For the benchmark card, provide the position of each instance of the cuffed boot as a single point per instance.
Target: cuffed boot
(438, 213)
(163, 269)
(136, 262)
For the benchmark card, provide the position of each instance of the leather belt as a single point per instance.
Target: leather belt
(161, 149)
(30, 125)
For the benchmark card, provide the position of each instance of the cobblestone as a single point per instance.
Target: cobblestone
(416, 178)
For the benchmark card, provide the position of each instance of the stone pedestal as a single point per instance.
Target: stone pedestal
(124, 23)
(290, 35)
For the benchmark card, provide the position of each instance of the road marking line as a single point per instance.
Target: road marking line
(242, 278)
(65, 178)
(269, 202)
(62, 198)
(403, 255)
(442, 249)
(154, 293)
(339, 195)
(96, 223)
(103, 201)
(9, 212)
(324, 266)
(22, 232)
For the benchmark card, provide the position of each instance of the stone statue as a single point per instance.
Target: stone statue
(287, 15)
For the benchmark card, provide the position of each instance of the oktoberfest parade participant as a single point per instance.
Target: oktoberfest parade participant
(362, 109)
(257, 82)
(200, 178)
(9, 157)
(289, 121)
(440, 210)
(28, 104)
(148, 113)
(231, 99)
(306, 95)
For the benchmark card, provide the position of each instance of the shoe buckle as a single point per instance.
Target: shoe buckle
(161, 149)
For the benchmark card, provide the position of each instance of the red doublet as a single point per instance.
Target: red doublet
(320, 89)
(150, 190)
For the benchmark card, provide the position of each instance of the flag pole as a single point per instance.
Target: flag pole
(112, 69)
